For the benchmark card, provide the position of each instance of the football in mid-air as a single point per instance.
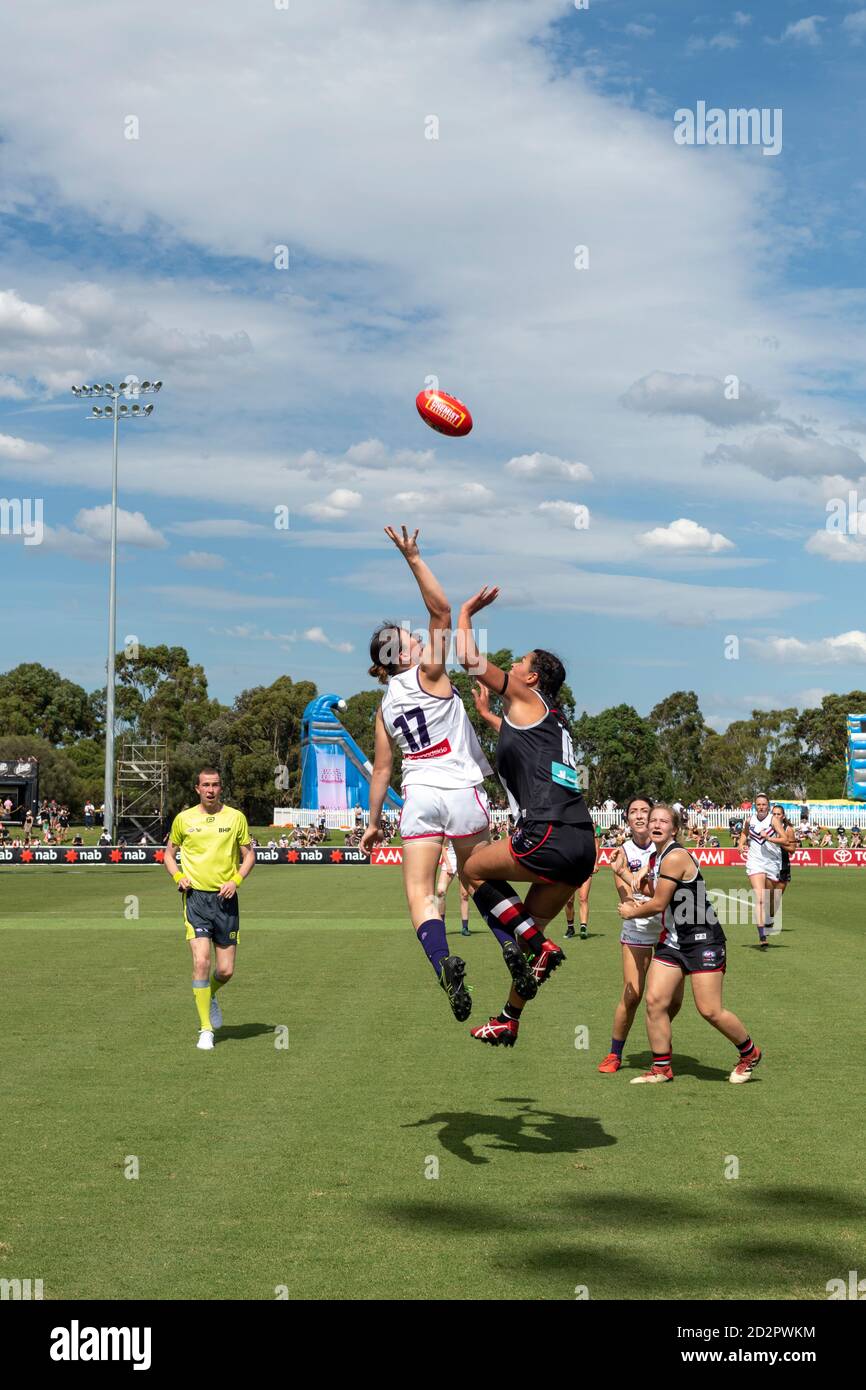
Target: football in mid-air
(443, 413)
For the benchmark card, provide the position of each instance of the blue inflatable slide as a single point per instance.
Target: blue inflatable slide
(335, 774)
(856, 757)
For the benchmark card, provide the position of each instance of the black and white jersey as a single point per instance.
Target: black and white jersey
(536, 766)
(690, 916)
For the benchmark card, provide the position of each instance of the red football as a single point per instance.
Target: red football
(443, 413)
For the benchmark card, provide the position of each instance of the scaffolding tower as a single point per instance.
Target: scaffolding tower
(142, 786)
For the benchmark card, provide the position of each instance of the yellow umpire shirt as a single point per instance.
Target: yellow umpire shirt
(210, 845)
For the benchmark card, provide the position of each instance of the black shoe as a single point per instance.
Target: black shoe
(584, 933)
(518, 968)
(570, 932)
(451, 979)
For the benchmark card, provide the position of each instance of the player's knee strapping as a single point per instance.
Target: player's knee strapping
(506, 915)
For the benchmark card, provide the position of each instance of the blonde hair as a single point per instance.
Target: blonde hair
(674, 815)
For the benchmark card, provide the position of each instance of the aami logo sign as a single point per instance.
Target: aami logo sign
(393, 855)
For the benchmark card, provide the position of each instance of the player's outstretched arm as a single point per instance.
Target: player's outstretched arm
(468, 654)
(379, 780)
(514, 691)
(433, 596)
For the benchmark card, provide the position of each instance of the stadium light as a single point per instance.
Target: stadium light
(115, 413)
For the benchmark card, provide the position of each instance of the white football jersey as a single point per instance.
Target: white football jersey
(439, 745)
(762, 856)
(638, 857)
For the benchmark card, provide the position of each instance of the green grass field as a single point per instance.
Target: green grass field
(305, 1167)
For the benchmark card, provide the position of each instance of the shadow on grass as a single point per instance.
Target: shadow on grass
(529, 1131)
(239, 1031)
(622, 1246)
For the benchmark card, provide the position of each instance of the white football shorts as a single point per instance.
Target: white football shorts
(433, 811)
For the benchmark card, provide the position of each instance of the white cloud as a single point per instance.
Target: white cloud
(804, 31)
(672, 393)
(547, 466)
(639, 31)
(19, 319)
(836, 545)
(855, 25)
(560, 587)
(719, 41)
(410, 499)
(133, 528)
(789, 451)
(741, 19)
(372, 453)
(455, 499)
(683, 536)
(811, 698)
(562, 513)
(317, 634)
(21, 450)
(230, 528)
(220, 600)
(11, 390)
(849, 648)
(201, 560)
(335, 506)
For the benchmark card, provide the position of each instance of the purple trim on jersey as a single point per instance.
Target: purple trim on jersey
(430, 692)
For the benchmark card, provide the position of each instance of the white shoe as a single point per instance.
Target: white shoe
(205, 1040)
(216, 1013)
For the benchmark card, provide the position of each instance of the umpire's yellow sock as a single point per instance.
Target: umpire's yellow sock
(202, 995)
(216, 983)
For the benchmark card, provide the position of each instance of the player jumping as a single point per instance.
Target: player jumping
(553, 844)
(443, 767)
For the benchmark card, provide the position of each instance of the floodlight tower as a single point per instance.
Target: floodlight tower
(129, 389)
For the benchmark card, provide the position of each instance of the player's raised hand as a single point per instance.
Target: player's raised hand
(481, 698)
(484, 597)
(406, 544)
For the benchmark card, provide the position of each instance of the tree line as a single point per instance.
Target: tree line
(162, 697)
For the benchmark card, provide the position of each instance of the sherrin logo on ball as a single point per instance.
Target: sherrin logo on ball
(443, 413)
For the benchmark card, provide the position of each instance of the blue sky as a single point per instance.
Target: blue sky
(600, 387)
